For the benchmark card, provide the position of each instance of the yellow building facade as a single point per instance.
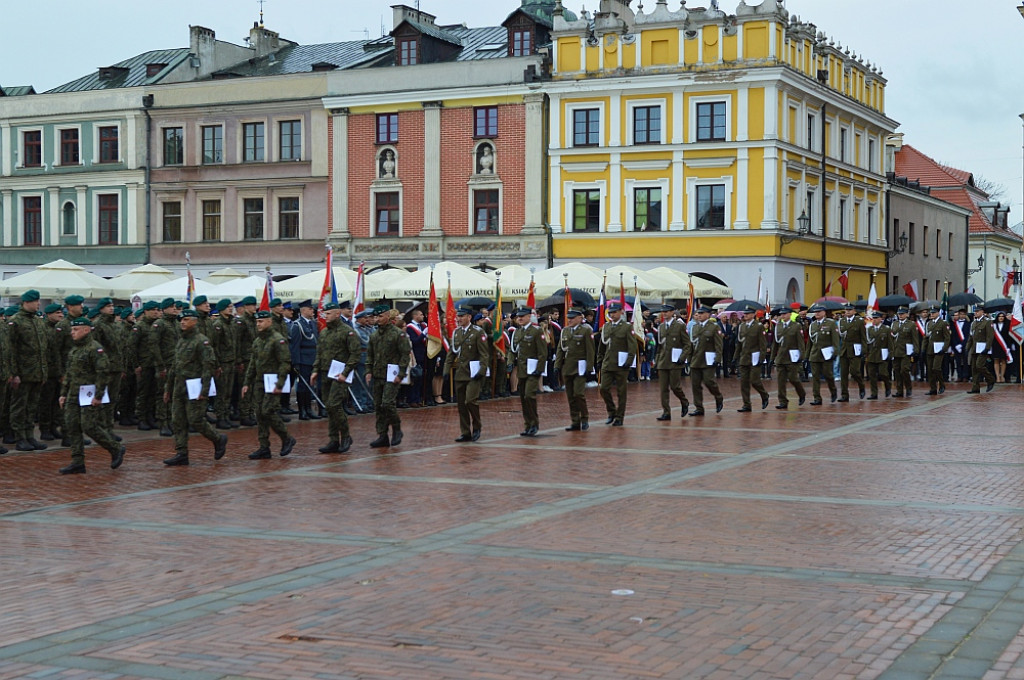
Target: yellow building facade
(696, 139)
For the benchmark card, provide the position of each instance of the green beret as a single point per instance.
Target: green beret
(126, 312)
(166, 302)
(189, 314)
(94, 312)
(52, 308)
(81, 321)
(275, 302)
(331, 305)
(248, 300)
(380, 309)
(12, 310)
(74, 300)
(30, 296)
(152, 304)
(262, 314)
(103, 302)
(223, 304)
(199, 299)
(181, 304)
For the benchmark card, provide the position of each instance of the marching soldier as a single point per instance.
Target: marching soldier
(88, 366)
(193, 359)
(824, 341)
(852, 341)
(879, 344)
(338, 342)
(528, 343)
(904, 340)
(167, 333)
(245, 334)
(751, 349)
(201, 304)
(619, 353)
(389, 345)
(224, 350)
(936, 340)
(674, 348)
(789, 353)
(106, 333)
(469, 357)
(129, 384)
(29, 369)
(270, 357)
(5, 372)
(49, 408)
(147, 351)
(979, 348)
(576, 345)
(706, 352)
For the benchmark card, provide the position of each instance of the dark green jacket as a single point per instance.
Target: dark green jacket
(88, 364)
(270, 354)
(337, 342)
(193, 358)
(389, 345)
(29, 344)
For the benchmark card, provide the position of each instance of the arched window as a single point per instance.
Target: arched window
(67, 222)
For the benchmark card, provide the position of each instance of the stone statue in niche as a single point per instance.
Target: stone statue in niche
(387, 164)
(485, 160)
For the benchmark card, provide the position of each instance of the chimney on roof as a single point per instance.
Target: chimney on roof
(402, 12)
(201, 39)
(264, 41)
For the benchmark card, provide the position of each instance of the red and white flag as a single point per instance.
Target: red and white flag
(872, 299)
(844, 279)
(358, 304)
(435, 338)
(1017, 319)
(1008, 283)
(911, 290)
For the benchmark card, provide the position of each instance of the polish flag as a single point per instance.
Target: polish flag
(844, 279)
(1017, 320)
(911, 290)
(1008, 283)
(873, 299)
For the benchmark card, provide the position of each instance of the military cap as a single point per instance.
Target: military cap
(276, 302)
(704, 309)
(749, 309)
(365, 313)
(903, 310)
(478, 317)
(463, 310)
(223, 304)
(189, 314)
(74, 300)
(332, 305)
(286, 305)
(381, 309)
(181, 304)
(614, 307)
(52, 308)
(263, 314)
(126, 312)
(306, 303)
(199, 299)
(573, 313)
(848, 306)
(81, 321)
(248, 300)
(11, 311)
(30, 296)
(523, 311)
(166, 302)
(777, 311)
(933, 310)
(103, 302)
(94, 312)
(152, 304)
(816, 308)
(345, 304)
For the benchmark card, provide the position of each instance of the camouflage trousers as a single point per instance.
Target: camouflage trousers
(86, 421)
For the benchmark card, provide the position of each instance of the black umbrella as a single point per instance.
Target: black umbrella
(963, 299)
(741, 305)
(999, 305)
(893, 301)
(475, 302)
(860, 304)
(829, 305)
(579, 297)
(924, 304)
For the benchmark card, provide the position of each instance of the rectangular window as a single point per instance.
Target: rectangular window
(711, 206)
(924, 240)
(174, 146)
(211, 220)
(647, 210)
(647, 125)
(32, 219)
(586, 127)
(291, 140)
(949, 247)
(871, 222)
(911, 239)
(938, 243)
(386, 209)
(213, 145)
(108, 144)
(485, 121)
(871, 155)
(842, 218)
(586, 210)
(172, 221)
(387, 128)
(69, 147)
(109, 225)
(522, 43)
(485, 211)
(810, 132)
(32, 149)
(253, 142)
(407, 52)
(288, 217)
(252, 209)
(842, 144)
(711, 122)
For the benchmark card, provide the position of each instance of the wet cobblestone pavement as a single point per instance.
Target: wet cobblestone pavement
(873, 539)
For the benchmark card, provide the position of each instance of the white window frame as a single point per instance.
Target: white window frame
(691, 198)
(567, 197)
(95, 233)
(273, 233)
(276, 121)
(631, 107)
(241, 197)
(200, 158)
(709, 99)
(570, 118)
(42, 148)
(388, 189)
(19, 220)
(59, 148)
(96, 143)
(240, 141)
(631, 185)
(485, 186)
(179, 198)
(165, 125)
(211, 195)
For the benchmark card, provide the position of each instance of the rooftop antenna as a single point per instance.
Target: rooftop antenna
(364, 31)
(261, 11)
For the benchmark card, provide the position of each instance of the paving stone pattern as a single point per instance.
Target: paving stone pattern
(845, 541)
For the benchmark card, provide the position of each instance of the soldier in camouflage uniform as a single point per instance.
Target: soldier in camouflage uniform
(337, 342)
(109, 337)
(5, 391)
(5, 370)
(202, 306)
(29, 344)
(49, 408)
(270, 356)
(129, 385)
(223, 341)
(167, 333)
(193, 358)
(245, 334)
(88, 364)
(389, 345)
(149, 360)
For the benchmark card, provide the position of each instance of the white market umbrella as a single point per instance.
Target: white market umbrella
(56, 280)
(124, 285)
(236, 289)
(702, 288)
(465, 282)
(515, 281)
(221, 275)
(376, 282)
(650, 285)
(309, 286)
(176, 288)
(581, 276)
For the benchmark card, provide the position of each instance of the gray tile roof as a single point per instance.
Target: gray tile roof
(300, 59)
(136, 74)
(18, 90)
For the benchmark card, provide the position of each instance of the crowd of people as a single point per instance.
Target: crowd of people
(77, 372)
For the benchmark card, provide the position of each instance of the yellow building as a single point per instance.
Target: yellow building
(695, 139)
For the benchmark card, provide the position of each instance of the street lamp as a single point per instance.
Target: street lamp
(803, 227)
(981, 265)
(900, 245)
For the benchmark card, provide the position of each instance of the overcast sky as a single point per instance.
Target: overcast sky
(955, 68)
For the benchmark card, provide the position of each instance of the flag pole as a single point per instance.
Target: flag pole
(494, 350)
(451, 338)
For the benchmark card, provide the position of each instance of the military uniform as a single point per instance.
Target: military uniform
(789, 352)
(879, 351)
(88, 364)
(50, 415)
(528, 342)
(575, 345)
(302, 344)
(936, 341)
(245, 333)
(225, 351)
(147, 353)
(979, 350)
(269, 356)
(337, 342)
(106, 333)
(852, 339)
(5, 372)
(750, 341)
(672, 340)
(469, 344)
(193, 358)
(389, 345)
(824, 337)
(707, 340)
(29, 345)
(167, 332)
(905, 346)
(617, 337)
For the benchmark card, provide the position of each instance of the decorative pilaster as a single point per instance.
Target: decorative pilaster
(534, 170)
(339, 181)
(431, 169)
